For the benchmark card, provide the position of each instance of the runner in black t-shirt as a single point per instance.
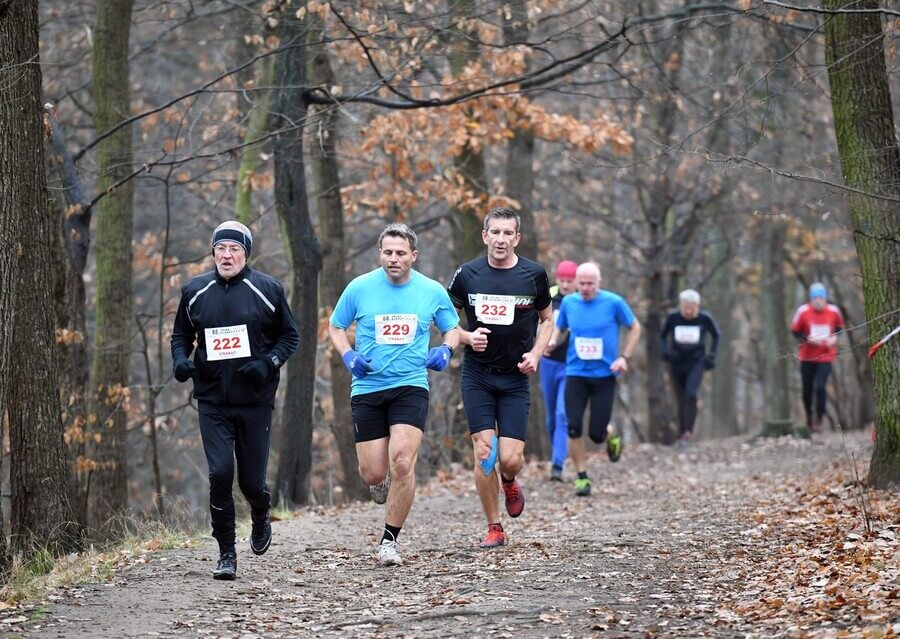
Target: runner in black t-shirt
(506, 299)
(683, 342)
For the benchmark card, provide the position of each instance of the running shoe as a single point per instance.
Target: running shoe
(614, 447)
(387, 553)
(582, 487)
(261, 533)
(556, 474)
(226, 569)
(495, 537)
(380, 491)
(515, 498)
(684, 441)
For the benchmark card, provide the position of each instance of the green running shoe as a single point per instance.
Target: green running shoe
(582, 487)
(614, 447)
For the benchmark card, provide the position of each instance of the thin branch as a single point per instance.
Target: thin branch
(185, 96)
(793, 7)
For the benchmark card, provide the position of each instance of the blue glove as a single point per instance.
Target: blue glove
(357, 363)
(487, 465)
(438, 358)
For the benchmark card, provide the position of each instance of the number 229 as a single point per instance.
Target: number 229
(395, 329)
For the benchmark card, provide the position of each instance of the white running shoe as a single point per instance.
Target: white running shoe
(379, 491)
(388, 555)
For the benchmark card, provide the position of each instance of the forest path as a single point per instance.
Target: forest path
(669, 544)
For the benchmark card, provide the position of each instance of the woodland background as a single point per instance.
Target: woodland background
(676, 143)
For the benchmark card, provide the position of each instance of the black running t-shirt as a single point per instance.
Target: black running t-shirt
(504, 300)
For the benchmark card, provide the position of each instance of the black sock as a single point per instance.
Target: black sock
(390, 532)
(505, 480)
(582, 474)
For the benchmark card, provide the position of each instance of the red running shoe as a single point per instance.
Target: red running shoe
(515, 498)
(495, 537)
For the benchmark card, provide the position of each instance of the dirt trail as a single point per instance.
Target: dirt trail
(654, 551)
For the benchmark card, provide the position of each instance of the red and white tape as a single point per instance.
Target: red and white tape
(874, 348)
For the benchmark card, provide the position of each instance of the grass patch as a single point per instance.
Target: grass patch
(31, 579)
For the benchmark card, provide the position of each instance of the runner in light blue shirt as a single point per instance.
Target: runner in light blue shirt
(392, 327)
(393, 308)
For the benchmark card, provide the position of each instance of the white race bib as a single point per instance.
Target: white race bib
(399, 328)
(819, 331)
(687, 334)
(227, 342)
(589, 347)
(495, 309)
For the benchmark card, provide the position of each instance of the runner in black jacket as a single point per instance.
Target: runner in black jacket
(683, 343)
(244, 331)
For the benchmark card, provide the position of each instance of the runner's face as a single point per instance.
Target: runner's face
(397, 258)
(501, 238)
(230, 259)
(818, 303)
(588, 284)
(565, 285)
(689, 310)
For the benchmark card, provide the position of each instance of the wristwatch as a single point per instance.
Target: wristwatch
(449, 348)
(275, 361)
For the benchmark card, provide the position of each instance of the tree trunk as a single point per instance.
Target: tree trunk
(870, 161)
(326, 188)
(520, 187)
(469, 164)
(720, 301)
(304, 258)
(69, 244)
(39, 514)
(113, 310)
(775, 331)
(662, 427)
(250, 155)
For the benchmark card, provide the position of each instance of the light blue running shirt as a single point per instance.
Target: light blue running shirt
(593, 332)
(392, 326)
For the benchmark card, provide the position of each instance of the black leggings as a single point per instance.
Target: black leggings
(814, 376)
(601, 391)
(686, 378)
(229, 432)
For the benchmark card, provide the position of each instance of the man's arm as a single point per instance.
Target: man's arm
(477, 339)
(339, 338)
(544, 331)
(532, 358)
(452, 337)
(556, 338)
(715, 334)
(620, 365)
(288, 335)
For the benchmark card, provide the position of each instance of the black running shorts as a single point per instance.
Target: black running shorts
(492, 397)
(375, 413)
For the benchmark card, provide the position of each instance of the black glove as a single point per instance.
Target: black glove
(259, 370)
(709, 362)
(184, 370)
(668, 355)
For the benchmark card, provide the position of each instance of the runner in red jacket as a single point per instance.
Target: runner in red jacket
(815, 325)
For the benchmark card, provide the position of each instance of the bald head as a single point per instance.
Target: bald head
(587, 278)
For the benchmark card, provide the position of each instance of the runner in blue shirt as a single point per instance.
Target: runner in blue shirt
(393, 308)
(592, 319)
(553, 377)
